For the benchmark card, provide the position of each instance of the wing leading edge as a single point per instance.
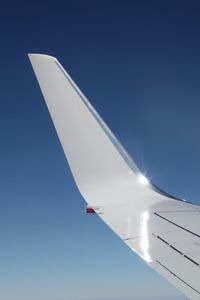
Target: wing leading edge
(163, 231)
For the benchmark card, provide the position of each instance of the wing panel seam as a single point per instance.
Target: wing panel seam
(177, 277)
(183, 228)
(178, 251)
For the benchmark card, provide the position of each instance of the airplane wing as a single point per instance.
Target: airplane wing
(161, 229)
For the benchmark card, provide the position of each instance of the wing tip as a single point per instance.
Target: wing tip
(36, 56)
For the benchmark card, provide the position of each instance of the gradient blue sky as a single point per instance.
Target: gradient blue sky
(138, 62)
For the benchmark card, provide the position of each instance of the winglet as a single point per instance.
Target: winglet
(96, 158)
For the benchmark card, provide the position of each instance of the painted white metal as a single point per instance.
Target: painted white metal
(163, 231)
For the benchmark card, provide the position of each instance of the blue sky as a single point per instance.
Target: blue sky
(138, 63)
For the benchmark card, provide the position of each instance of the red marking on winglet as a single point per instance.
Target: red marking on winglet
(89, 210)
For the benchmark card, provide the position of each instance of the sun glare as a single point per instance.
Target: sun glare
(143, 179)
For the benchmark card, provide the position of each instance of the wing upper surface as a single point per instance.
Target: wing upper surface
(163, 231)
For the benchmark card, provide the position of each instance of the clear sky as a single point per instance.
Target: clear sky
(138, 62)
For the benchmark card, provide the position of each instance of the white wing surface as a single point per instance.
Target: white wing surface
(161, 229)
